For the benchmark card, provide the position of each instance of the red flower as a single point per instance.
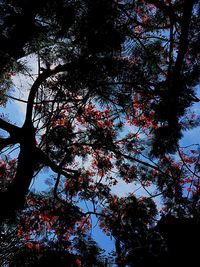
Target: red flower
(29, 245)
(78, 262)
(154, 172)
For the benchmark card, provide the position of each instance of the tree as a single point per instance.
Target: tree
(55, 253)
(129, 220)
(102, 66)
(141, 240)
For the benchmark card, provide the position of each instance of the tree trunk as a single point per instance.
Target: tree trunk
(120, 261)
(14, 198)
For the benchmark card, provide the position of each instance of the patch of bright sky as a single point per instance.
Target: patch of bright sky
(22, 84)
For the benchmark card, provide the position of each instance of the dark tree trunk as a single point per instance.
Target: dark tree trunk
(14, 198)
(120, 260)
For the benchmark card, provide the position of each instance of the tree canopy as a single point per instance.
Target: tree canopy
(110, 102)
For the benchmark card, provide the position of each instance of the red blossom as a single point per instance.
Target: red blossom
(154, 172)
(78, 262)
(29, 245)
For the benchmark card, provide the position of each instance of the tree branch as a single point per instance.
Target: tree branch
(43, 158)
(10, 128)
(4, 142)
(41, 78)
(185, 24)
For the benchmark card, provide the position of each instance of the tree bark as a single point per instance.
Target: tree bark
(14, 198)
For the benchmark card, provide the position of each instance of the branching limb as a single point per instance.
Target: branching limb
(10, 128)
(4, 142)
(43, 158)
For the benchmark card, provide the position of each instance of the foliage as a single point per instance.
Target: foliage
(109, 102)
(55, 253)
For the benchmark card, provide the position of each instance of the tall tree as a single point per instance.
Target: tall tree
(109, 102)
